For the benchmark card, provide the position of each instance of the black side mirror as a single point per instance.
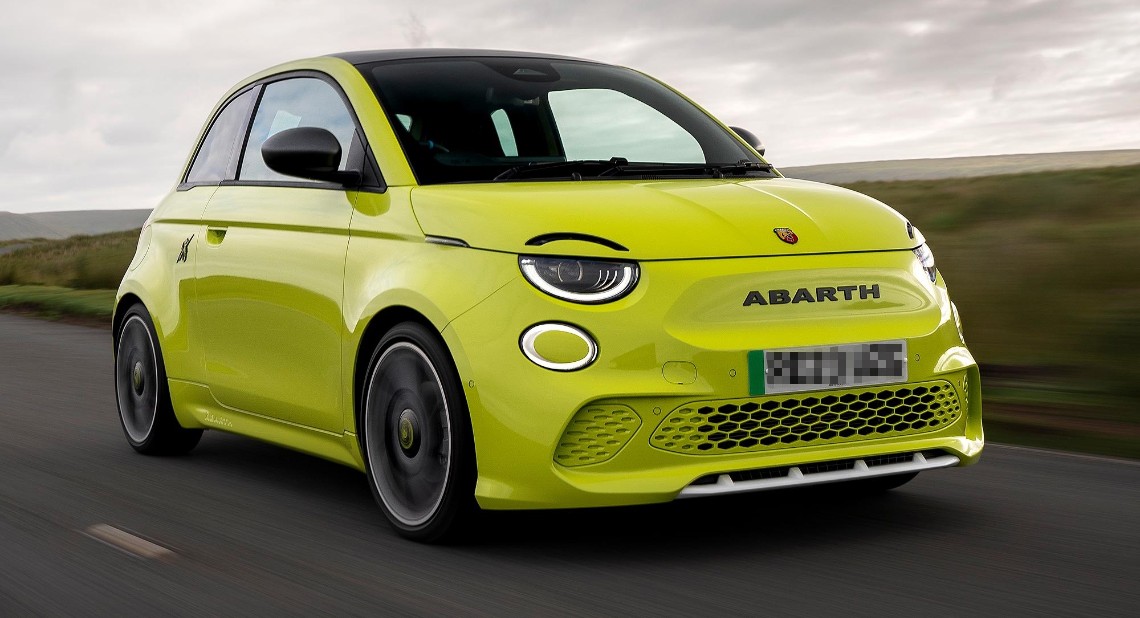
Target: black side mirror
(751, 138)
(307, 152)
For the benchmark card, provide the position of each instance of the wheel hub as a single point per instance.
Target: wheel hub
(137, 382)
(407, 429)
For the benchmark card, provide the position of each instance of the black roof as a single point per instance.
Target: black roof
(380, 55)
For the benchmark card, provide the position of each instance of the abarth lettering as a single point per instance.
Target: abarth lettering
(805, 295)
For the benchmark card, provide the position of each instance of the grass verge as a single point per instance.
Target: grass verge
(91, 307)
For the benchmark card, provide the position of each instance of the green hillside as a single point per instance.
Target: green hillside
(61, 224)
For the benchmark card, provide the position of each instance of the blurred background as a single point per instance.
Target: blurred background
(1007, 131)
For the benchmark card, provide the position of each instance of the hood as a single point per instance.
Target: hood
(661, 219)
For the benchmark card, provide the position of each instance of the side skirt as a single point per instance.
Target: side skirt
(195, 407)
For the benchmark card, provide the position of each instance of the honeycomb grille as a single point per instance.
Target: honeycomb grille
(595, 434)
(775, 422)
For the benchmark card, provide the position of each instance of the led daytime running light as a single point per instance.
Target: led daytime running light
(580, 281)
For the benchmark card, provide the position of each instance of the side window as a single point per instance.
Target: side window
(599, 124)
(290, 103)
(212, 163)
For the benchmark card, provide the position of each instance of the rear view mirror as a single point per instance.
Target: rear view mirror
(307, 152)
(750, 137)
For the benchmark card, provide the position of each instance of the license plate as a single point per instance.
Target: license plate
(793, 370)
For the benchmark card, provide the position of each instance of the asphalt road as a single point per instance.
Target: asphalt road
(240, 527)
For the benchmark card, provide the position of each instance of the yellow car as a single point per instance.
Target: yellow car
(502, 280)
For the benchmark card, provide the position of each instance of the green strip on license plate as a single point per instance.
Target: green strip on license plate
(755, 373)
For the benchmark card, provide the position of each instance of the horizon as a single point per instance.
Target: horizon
(1039, 164)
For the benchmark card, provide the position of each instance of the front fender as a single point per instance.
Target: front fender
(390, 265)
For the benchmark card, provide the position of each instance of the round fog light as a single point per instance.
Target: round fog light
(559, 347)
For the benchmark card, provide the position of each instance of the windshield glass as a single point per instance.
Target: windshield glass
(482, 119)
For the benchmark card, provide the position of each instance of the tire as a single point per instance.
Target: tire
(416, 435)
(145, 411)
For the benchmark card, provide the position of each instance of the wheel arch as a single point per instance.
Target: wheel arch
(378, 326)
(124, 303)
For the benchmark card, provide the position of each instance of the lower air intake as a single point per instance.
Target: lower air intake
(788, 421)
(595, 434)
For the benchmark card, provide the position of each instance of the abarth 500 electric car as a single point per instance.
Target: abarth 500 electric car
(503, 280)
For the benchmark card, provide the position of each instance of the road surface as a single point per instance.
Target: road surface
(87, 527)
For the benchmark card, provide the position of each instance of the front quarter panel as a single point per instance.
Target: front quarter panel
(390, 264)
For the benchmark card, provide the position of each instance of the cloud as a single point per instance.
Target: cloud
(102, 102)
(415, 33)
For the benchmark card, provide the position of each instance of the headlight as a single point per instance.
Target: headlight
(926, 258)
(580, 281)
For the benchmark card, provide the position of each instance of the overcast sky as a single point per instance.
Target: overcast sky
(100, 102)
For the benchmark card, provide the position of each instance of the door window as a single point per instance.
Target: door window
(212, 163)
(290, 103)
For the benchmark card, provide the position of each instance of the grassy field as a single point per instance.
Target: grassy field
(71, 279)
(81, 262)
(1043, 267)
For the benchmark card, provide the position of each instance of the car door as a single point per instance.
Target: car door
(271, 266)
(175, 225)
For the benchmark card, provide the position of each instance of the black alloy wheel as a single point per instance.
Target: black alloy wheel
(417, 436)
(145, 411)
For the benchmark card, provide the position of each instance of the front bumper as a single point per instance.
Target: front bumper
(601, 436)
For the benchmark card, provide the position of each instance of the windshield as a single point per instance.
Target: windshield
(482, 119)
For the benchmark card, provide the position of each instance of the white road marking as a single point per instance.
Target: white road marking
(127, 542)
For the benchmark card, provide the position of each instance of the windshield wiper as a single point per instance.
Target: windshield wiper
(577, 165)
(743, 166)
(740, 168)
(715, 170)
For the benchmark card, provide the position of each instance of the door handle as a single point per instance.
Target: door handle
(215, 235)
